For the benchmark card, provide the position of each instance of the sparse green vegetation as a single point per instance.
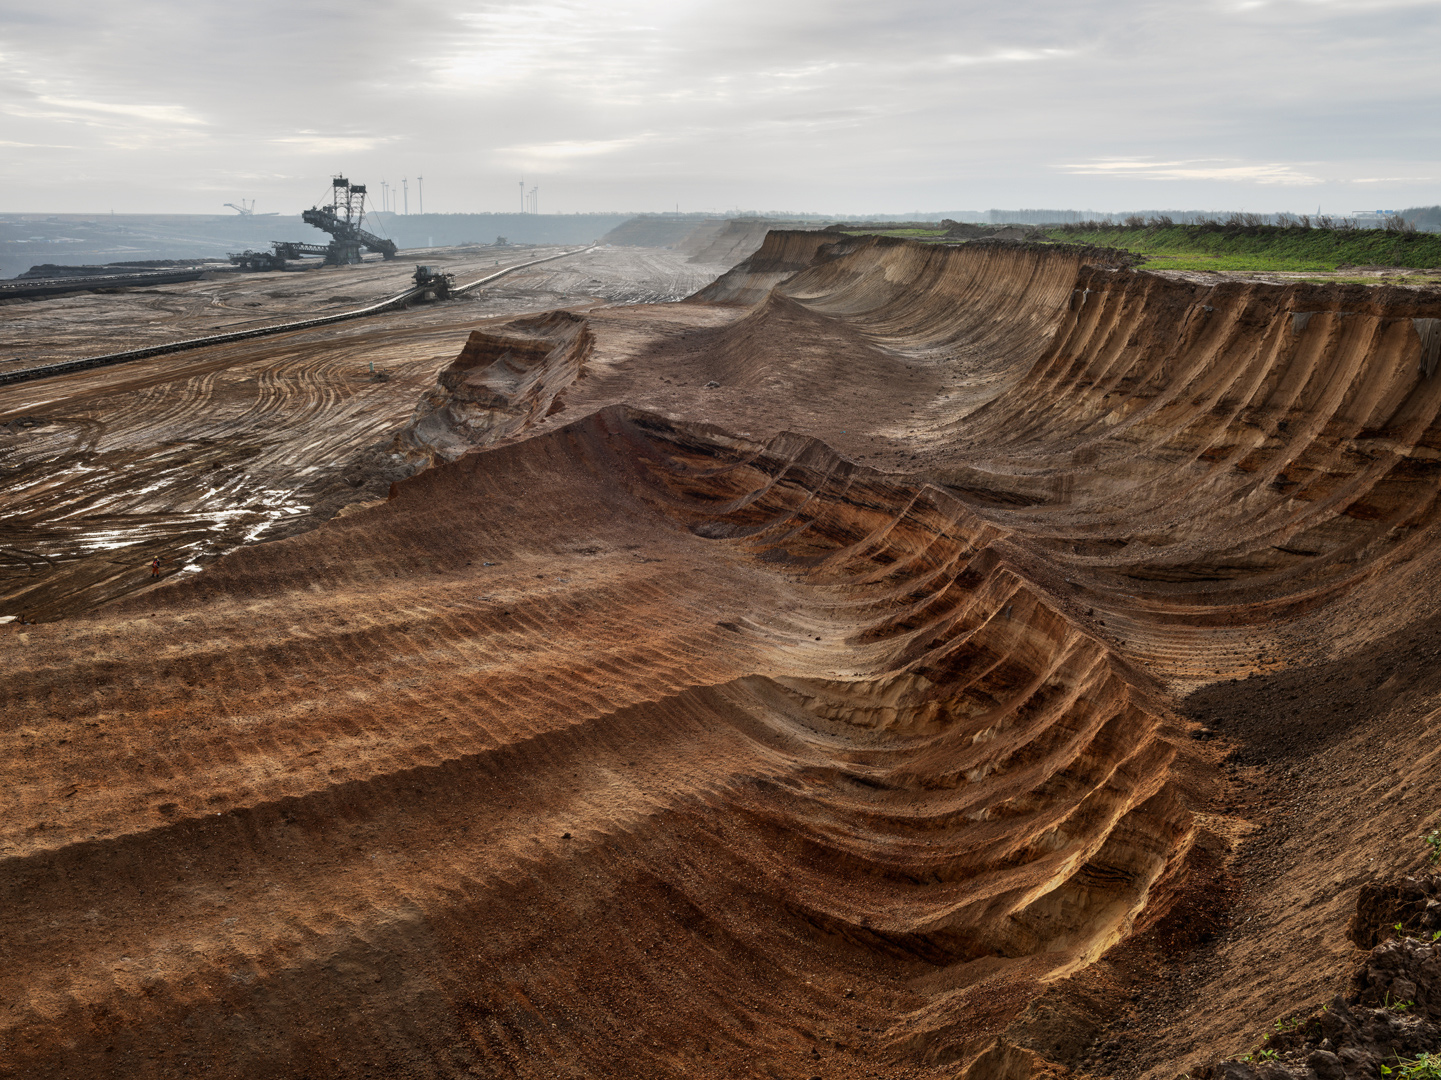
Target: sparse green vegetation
(1432, 840)
(1424, 1067)
(1401, 931)
(1238, 246)
(1396, 1006)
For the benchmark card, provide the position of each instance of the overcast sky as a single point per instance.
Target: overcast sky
(848, 106)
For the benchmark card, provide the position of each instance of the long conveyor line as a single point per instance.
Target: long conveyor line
(398, 300)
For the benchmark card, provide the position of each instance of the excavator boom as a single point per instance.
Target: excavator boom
(327, 220)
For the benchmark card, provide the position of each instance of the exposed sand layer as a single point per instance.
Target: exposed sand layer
(806, 680)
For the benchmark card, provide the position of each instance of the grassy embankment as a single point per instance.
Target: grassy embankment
(1260, 247)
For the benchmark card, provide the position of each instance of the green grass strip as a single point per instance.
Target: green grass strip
(1261, 247)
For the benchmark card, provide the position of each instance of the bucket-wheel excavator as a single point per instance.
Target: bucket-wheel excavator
(341, 218)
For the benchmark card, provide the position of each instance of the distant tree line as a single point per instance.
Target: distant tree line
(1416, 218)
(1425, 218)
(1402, 222)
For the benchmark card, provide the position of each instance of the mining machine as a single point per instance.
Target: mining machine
(433, 283)
(342, 218)
(258, 260)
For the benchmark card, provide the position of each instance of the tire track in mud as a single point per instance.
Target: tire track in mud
(399, 300)
(243, 442)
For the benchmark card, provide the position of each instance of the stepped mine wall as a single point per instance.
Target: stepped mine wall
(1185, 453)
(637, 745)
(1001, 303)
(984, 309)
(1217, 454)
(783, 253)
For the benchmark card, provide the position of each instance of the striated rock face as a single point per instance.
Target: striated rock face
(959, 692)
(500, 383)
(634, 746)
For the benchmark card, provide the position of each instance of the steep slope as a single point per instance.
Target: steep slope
(783, 254)
(798, 692)
(943, 799)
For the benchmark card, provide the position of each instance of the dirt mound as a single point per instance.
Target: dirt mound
(1411, 904)
(838, 684)
(905, 814)
(501, 382)
(1388, 1023)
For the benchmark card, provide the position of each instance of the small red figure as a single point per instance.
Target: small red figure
(155, 567)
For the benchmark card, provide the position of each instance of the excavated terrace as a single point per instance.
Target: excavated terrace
(898, 660)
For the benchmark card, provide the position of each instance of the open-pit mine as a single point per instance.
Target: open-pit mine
(873, 659)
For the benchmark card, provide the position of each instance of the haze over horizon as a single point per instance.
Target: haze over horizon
(634, 105)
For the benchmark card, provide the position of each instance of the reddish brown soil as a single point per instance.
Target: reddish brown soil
(809, 688)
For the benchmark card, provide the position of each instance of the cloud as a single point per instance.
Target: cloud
(37, 146)
(1393, 180)
(154, 114)
(1007, 56)
(314, 142)
(561, 152)
(1328, 6)
(843, 104)
(1263, 173)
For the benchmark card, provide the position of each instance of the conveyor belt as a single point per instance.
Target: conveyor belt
(398, 300)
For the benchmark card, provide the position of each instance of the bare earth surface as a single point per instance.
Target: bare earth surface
(247, 441)
(897, 661)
